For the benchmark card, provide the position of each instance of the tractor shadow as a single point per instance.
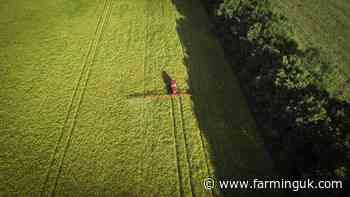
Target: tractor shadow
(167, 80)
(156, 93)
(235, 149)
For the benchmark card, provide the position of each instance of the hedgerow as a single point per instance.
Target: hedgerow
(307, 129)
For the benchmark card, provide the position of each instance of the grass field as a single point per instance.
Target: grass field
(322, 24)
(73, 121)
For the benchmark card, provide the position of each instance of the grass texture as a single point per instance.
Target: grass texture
(323, 24)
(71, 125)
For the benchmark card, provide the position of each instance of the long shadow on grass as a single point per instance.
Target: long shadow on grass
(235, 149)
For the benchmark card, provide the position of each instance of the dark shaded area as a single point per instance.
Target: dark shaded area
(167, 80)
(307, 129)
(221, 111)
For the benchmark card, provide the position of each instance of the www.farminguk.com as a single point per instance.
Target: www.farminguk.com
(210, 183)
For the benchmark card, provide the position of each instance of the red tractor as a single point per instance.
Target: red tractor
(173, 87)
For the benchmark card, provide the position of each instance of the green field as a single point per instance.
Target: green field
(325, 25)
(73, 119)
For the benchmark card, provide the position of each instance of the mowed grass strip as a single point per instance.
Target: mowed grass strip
(42, 47)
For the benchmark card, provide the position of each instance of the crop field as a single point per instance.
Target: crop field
(322, 24)
(77, 115)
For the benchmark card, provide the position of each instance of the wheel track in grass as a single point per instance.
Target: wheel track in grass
(172, 115)
(143, 103)
(107, 13)
(74, 105)
(176, 143)
(200, 133)
(186, 145)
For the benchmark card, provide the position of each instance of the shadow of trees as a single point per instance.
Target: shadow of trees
(304, 125)
(234, 147)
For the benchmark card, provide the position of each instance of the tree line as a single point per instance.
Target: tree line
(306, 127)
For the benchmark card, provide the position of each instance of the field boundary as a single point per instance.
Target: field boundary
(74, 106)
